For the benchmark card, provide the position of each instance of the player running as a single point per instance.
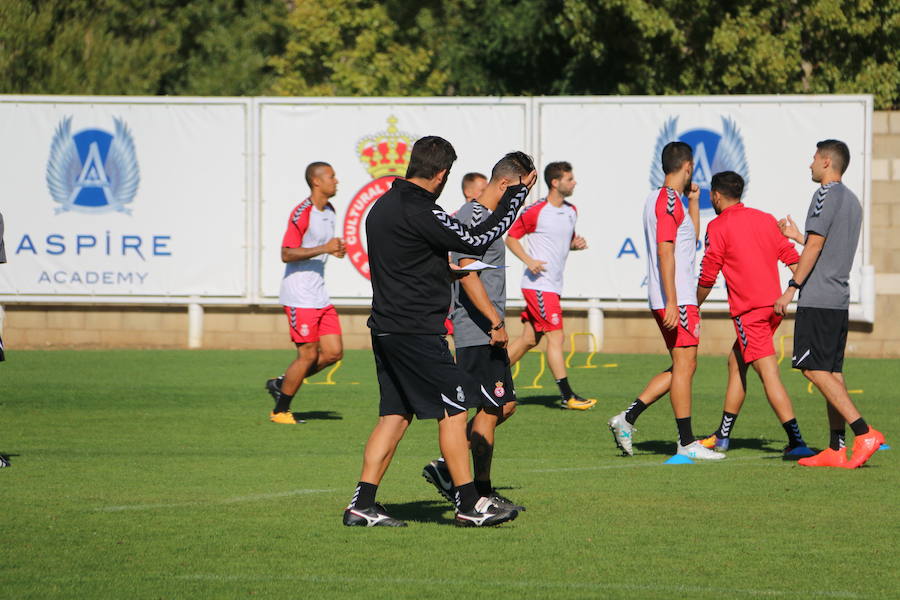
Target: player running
(671, 248)
(409, 236)
(820, 330)
(314, 324)
(746, 244)
(550, 226)
(480, 337)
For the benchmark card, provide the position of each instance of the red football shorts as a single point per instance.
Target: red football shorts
(755, 332)
(309, 324)
(686, 332)
(542, 310)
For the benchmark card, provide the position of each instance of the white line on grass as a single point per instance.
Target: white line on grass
(634, 465)
(520, 583)
(235, 500)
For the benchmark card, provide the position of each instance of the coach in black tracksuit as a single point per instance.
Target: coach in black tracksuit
(408, 238)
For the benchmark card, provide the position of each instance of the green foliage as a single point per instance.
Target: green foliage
(451, 47)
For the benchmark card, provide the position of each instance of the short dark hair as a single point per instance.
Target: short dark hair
(728, 183)
(430, 155)
(675, 154)
(837, 151)
(311, 169)
(555, 170)
(513, 164)
(469, 178)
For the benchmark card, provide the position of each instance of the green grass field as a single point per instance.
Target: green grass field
(156, 474)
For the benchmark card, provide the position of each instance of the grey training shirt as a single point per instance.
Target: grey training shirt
(2, 249)
(469, 325)
(836, 214)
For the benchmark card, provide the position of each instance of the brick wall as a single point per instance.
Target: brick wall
(54, 326)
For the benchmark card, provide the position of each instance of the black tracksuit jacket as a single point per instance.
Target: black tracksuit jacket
(408, 238)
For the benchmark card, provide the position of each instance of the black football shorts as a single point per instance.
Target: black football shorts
(820, 336)
(489, 366)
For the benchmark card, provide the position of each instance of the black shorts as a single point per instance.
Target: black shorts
(489, 366)
(820, 335)
(417, 375)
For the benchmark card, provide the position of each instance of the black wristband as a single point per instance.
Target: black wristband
(499, 326)
(794, 284)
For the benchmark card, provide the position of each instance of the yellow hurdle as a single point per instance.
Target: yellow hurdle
(329, 377)
(543, 367)
(781, 352)
(587, 364)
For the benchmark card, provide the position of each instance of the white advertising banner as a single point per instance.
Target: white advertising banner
(368, 144)
(105, 197)
(614, 146)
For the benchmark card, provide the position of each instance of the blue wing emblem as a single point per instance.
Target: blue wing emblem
(730, 155)
(122, 167)
(63, 166)
(666, 135)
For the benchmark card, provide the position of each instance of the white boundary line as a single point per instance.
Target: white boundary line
(235, 500)
(635, 465)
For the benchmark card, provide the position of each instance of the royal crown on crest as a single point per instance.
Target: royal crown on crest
(386, 152)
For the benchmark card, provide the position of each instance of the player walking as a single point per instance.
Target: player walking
(746, 244)
(314, 324)
(550, 226)
(409, 236)
(820, 330)
(480, 337)
(671, 248)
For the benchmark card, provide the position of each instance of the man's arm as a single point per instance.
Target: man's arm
(713, 259)
(334, 246)
(790, 230)
(474, 289)
(515, 244)
(702, 293)
(814, 244)
(694, 208)
(666, 253)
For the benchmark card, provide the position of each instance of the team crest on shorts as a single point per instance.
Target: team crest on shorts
(498, 389)
(304, 329)
(554, 318)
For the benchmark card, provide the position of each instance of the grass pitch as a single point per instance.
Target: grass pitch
(156, 474)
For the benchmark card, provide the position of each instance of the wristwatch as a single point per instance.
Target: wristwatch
(794, 284)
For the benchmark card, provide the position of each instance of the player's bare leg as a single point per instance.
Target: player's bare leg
(684, 364)
(307, 358)
(481, 440)
(569, 399)
(381, 446)
(767, 369)
(455, 447)
(735, 393)
(832, 387)
(331, 350)
(517, 348)
(622, 424)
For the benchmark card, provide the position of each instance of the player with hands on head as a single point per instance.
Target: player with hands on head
(549, 225)
(314, 324)
(480, 334)
(833, 223)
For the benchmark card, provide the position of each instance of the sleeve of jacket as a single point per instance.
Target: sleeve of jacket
(713, 257)
(445, 232)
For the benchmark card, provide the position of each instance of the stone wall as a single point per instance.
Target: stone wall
(54, 326)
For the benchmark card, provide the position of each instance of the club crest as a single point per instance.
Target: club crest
(93, 170)
(714, 152)
(498, 389)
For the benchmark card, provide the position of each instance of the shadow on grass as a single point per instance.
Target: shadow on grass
(669, 448)
(319, 415)
(422, 511)
(546, 400)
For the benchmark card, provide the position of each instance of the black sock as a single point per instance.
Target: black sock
(466, 497)
(364, 497)
(685, 433)
(726, 425)
(859, 427)
(793, 432)
(564, 389)
(634, 411)
(284, 403)
(838, 439)
(484, 488)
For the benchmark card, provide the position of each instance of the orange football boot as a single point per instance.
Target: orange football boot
(864, 446)
(285, 418)
(826, 458)
(708, 442)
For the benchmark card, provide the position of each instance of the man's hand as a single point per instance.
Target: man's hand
(790, 230)
(536, 266)
(499, 337)
(335, 246)
(694, 194)
(670, 320)
(529, 180)
(782, 303)
(579, 243)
